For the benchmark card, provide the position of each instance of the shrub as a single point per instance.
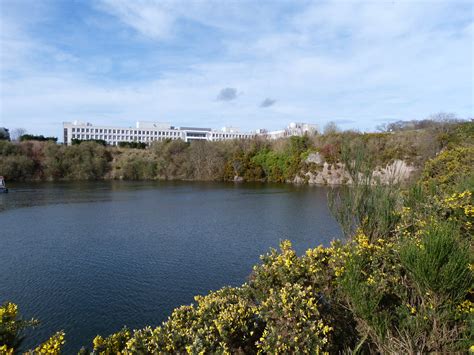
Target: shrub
(449, 168)
(17, 167)
(40, 138)
(76, 141)
(133, 145)
(11, 328)
(438, 263)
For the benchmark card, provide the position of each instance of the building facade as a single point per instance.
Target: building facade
(293, 129)
(147, 132)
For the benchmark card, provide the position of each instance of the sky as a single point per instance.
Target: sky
(249, 64)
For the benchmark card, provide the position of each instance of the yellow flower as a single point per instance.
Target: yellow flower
(4, 350)
(98, 342)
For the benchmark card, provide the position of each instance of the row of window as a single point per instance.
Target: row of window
(125, 131)
(119, 138)
(227, 135)
(115, 138)
(155, 133)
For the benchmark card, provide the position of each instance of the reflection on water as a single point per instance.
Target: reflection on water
(91, 257)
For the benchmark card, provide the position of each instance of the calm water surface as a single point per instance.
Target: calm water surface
(89, 258)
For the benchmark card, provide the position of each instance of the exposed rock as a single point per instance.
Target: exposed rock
(299, 180)
(315, 158)
(238, 178)
(335, 174)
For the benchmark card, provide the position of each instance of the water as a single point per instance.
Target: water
(89, 258)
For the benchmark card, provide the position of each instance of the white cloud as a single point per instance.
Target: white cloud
(150, 18)
(350, 61)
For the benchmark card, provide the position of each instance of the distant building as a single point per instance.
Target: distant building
(147, 132)
(293, 129)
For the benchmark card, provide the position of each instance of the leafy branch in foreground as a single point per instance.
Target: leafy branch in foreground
(365, 203)
(11, 328)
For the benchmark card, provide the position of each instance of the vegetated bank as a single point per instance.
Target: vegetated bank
(400, 282)
(313, 159)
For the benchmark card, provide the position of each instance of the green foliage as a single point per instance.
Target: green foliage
(112, 344)
(76, 141)
(438, 262)
(282, 166)
(17, 167)
(87, 161)
(273, 165)
(449, 168)
(257, 159)
(136, 166)
(365, 204)
(4, 134)
(11, 328)
(32, 160)
(412, 294)
(134, 145)
(40, 138)
(293, 321)
(221, 322)
(51, 346)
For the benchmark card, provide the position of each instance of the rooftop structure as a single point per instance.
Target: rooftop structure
(293, 129)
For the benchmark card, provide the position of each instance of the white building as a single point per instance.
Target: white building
(147, 132)
(293, 129)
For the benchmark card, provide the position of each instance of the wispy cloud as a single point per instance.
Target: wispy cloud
(120, 60)
(227, 94)
(150, 18)
(267, 102)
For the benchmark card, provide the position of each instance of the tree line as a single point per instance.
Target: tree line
(248, 160)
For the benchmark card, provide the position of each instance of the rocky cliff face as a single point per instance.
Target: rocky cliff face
(322, 173)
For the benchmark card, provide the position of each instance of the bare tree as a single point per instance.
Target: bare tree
(446, 117)
(383, 127)
(17, 133)
(331, 128)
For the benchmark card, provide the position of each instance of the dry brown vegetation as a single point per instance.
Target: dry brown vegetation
(250, 160)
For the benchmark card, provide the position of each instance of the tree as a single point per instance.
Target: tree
(17, 133)
(4, 134)
(331, 128)
(40, 138)
(383, 127)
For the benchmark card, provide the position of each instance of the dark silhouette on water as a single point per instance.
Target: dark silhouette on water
(3, 187)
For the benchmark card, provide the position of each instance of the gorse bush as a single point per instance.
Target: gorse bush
(437, 262)
(449, 168)
(11, 328)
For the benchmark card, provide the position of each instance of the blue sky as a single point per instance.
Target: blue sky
(251, 64)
